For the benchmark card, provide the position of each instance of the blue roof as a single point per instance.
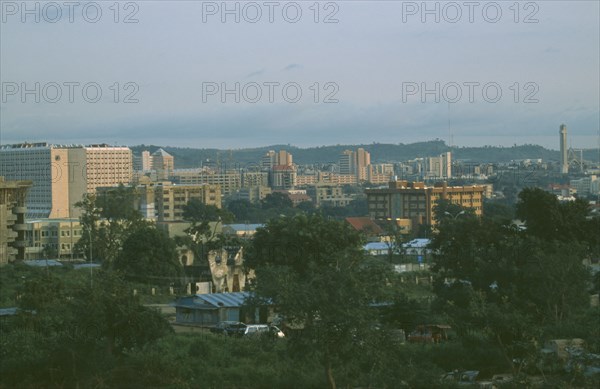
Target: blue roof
(86, 265)
(213, 300)
(13, 311)
(376, 246)
(8, 311)
(417, 243)
(228, 300)
(42, 262)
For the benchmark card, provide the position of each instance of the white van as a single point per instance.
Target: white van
(255, 329)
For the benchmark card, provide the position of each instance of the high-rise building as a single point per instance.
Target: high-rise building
(283, 177)
(564, 161)
(142, 162)
(356, 163)
(62, 174)
(439, 167)
(276, 158)
(363, 164)
(12, 219)
(163, 163)
(346, 162)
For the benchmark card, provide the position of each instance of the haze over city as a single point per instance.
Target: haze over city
(354, 67)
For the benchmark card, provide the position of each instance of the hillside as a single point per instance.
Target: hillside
(188, 157)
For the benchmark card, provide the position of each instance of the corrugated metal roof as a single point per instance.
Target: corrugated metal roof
(42, 262)
(376, 246)
(228, 300)
(8, 311)
(417, 243)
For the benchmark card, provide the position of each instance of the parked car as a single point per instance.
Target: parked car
(263, 329)
(230, 328)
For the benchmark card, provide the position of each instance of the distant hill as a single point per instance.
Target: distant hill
(188, 157)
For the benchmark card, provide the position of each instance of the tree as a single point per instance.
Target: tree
(68, 332)
(107, 220)
(510, 285)
(276, 200)
(317, 275)
(196, 211)
(547, 218)
(149, 254)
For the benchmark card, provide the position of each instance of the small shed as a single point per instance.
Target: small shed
(209, 309)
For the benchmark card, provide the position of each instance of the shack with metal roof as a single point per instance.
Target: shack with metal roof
(209, 309)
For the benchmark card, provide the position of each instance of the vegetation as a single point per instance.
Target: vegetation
(504, 290)
(316, 274)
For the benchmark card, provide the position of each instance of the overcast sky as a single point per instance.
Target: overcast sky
(361, 75)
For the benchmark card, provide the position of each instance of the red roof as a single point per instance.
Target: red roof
(364, 224)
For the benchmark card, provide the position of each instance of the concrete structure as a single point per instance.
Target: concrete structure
(274, 158)
(585, 186)
(230, 182)
(564, 158)
(171, 199)
(52, 238)
(283, 177)
(439, 167)
(356, 163)
(12, 219)
(253, 194)
(62, 174)
(142, 162)
(328, 195)
(163, 163)
(415, 201)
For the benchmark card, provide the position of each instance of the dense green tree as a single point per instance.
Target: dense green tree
(196, 211)
(149, 255)
(511, 285)
(316, 274)
(276, 200)
(547, 218)
(243, 210)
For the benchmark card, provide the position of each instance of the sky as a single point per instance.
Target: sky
(246, 74)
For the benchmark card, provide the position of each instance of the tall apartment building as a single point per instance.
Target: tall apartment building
(415, 201)
(274, 158)
(62, 174)
(283, 177)
(439, 167)
(142, 162)
(12, 219)
(357, 163)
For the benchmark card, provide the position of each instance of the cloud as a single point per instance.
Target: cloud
(292, 66)
(256, 73)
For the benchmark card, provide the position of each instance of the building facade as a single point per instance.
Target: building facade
(12, 219)
(171, 199)
(415, 201)
(62, 174)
